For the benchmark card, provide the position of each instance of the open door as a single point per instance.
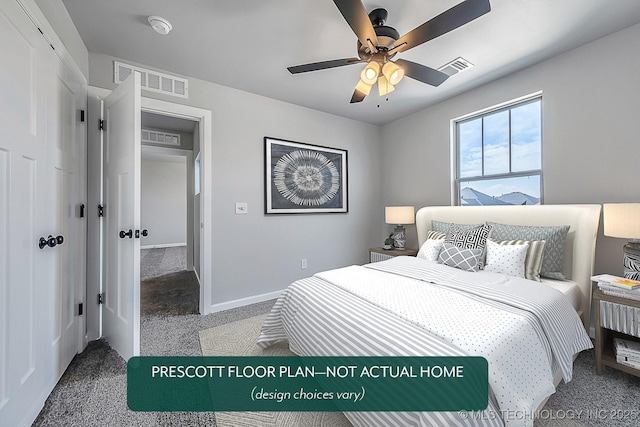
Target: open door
(121, 238)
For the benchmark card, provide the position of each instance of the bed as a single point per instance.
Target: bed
(530, 331)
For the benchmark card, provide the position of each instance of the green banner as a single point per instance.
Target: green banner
(284, 383)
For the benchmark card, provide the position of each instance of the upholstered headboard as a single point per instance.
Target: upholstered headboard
(579, 249)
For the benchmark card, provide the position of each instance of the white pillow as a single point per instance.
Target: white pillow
(430, 249)
(506, 259)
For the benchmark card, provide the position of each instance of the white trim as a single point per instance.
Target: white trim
(504, 104)
(163, 245)
(40, 21)
(244, 301)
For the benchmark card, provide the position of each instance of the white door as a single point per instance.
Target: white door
(121, 280)
(39, 179)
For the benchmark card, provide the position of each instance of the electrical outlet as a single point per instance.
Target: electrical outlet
(303, 263)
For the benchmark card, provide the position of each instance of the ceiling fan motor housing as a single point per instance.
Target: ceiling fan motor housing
(387, 36)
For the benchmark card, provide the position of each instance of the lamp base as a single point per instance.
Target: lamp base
(632, 260)
(399, 239)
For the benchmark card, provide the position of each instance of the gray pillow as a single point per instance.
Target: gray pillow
(443, 227)
(555, 237)
(470, 238)
(464, 259)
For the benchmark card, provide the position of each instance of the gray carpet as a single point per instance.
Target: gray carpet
(92, 391)
(156, 262)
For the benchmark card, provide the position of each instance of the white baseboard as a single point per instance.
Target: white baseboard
(244, 301)
(163, 245)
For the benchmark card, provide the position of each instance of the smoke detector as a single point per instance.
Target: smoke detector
(160, 25)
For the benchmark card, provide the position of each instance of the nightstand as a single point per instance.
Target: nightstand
(379, 254)
(617, 308)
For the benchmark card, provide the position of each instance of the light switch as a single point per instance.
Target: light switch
(241, 208)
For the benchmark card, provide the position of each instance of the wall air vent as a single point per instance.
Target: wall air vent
(163, 138)
(456, 66)
(152, 80)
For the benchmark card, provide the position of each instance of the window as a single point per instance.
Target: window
(499, 155)
(196, 175)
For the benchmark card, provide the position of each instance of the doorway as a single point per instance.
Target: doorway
(202, 213)
(168, 283)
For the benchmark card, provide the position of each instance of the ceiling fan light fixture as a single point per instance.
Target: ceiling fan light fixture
(384, 87)
(392, 72)
(370, 73)
(160, 25)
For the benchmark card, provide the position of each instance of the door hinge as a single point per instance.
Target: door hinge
(81, 210)
(80, 309)
(82, 115)
(100, 211)
(101, 124)
(101, 298)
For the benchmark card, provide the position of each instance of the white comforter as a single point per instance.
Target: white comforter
(524, 330)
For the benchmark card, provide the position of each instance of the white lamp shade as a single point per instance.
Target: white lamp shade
(392, 72)
(384, 87)
(370, 73)
(622, 220)
(399, 215)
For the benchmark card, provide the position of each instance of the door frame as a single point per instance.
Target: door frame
(94, 168)
(203, 117)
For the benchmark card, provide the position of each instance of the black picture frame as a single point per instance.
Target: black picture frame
(304, 178)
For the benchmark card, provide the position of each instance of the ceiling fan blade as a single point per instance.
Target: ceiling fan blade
(356, 16)
(357, 96)
(315, 66)
(458, 15)
(422, 73)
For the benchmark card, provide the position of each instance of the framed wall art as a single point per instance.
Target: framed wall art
(304, 178)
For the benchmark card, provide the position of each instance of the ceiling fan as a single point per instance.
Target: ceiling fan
(378, 44)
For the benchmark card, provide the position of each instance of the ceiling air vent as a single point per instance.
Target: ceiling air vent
(155, 137)
(152, 80)
(456, 66)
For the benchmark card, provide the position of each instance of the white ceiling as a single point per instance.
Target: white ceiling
(248, 44)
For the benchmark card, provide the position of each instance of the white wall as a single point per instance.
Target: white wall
(163, 202)
(591, 147)
(257, 254)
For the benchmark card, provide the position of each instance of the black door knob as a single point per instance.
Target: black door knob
(50, 241)
(124, 234)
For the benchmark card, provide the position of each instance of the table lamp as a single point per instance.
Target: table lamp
(398, 216)
(623, 220)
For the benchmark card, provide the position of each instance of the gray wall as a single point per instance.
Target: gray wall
(591, 150)
(163, 201)
(256, 254)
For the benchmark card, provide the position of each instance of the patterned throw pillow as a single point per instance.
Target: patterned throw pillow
(555, 238)
(470, 238)
(465, 259)
(430, 249)
(533, 260)
(506, 259)
(431, 234)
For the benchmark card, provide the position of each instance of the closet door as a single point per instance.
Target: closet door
(39, 181)
(121, 273)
